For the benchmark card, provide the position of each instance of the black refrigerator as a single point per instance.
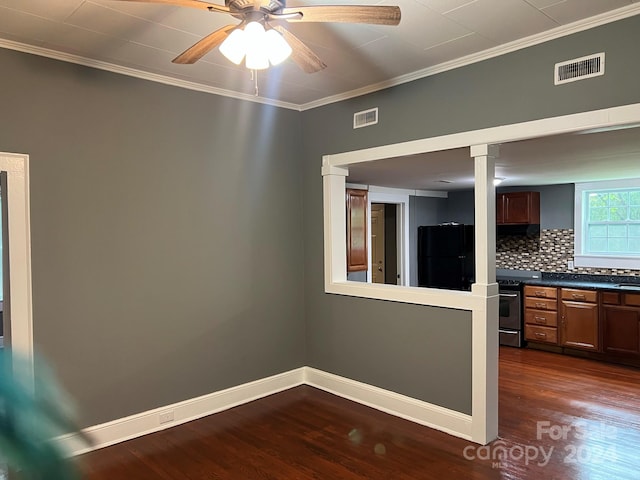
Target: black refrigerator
(446, 256)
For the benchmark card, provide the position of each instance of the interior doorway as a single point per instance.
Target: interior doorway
(17, 306)
(384, 244)
(392, 207)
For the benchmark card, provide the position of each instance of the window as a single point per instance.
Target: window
(607, 221)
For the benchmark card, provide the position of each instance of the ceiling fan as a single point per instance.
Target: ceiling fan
(256, 15)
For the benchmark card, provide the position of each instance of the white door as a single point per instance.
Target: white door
(400, 201)
(377, 243)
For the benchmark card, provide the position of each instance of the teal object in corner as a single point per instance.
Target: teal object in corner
(29, 418)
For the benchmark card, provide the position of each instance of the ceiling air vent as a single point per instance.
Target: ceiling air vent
(579, 68)
(365, 118)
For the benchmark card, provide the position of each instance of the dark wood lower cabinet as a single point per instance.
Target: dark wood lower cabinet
(621, 330)
(602, 325)
(579, 325)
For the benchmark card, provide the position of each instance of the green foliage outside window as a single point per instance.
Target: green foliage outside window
(613, 222)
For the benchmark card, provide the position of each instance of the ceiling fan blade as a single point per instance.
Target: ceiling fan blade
(376, 14)
(302, 55)
(204, 46)
(187, 3)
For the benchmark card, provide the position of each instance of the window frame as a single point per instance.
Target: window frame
(587, 260)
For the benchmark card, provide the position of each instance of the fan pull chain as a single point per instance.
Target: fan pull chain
(254, 77)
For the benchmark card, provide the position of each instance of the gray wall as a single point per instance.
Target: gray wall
(460, 207)
(556, 204)
(366, 339)
(166, 246)
(167, 255)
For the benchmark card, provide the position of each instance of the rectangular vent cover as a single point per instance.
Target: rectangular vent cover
(579, 68)
(365, 118)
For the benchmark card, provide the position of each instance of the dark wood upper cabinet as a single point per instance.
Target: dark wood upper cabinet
(357, 259)
(518, 208)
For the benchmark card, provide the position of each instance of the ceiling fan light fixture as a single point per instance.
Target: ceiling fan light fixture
(234, 47)
(277, 47)
(256, 46)
(257, 58)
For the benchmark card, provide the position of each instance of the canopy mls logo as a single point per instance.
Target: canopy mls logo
(587, 444)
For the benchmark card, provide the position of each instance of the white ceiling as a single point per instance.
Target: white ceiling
(143, 38)
(567, 158)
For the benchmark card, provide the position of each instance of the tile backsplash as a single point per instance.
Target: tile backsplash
(548, 252)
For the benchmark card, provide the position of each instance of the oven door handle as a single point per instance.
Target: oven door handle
(512, 295)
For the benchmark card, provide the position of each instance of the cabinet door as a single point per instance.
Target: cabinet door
(579, 325)
(356, 230)
(500, 208)
(521, 208)
(621, 330)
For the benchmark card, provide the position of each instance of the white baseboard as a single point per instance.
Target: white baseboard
(418, 411)
(116, 431)
(147, 422)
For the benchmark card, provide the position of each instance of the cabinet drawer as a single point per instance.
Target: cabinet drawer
(590, 296)
(610, 298)
(540, 303)
(540, 317)
(536, 333)
(632, 299)
(540, 292)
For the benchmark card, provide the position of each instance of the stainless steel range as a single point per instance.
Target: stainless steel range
(510, 287)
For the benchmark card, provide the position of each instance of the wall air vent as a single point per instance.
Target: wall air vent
(579, 68)
(365, 118)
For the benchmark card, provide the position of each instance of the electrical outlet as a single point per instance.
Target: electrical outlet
(166, 417)
(570, 264)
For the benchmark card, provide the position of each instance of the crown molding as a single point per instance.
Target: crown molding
(562, 31)
(558, 32)
(133, 72)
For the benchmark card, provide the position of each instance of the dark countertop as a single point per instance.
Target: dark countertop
(588, 282)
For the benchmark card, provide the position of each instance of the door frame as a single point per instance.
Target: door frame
(374, 232)
(19, 236)
(400, 198)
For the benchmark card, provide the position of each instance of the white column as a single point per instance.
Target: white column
(485, 217)
(335, 221)
(485, 317)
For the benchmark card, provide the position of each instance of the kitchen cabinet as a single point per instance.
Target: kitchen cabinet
(579, 319)
(540, 314)
(356, 203)
(518, 208)
(620, 314)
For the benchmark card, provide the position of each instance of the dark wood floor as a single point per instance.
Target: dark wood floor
(592, 431)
